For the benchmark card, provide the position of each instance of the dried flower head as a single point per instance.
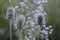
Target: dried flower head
(20, 20)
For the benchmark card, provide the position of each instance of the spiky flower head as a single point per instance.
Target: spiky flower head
(20, 20)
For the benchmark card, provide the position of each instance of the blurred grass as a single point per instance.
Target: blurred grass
(3, 22)
(53, 14)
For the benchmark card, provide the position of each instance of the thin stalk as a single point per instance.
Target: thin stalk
(10, 29)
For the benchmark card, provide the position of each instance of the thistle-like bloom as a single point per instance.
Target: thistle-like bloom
(20, 20)
(10, 13)
(40, 19)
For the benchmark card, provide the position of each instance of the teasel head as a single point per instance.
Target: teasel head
(20, 21)
(40, 19)
(10, 13)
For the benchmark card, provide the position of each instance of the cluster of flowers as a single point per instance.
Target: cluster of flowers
(45, 32)
(31, 23)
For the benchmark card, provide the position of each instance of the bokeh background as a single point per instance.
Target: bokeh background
(52, 7)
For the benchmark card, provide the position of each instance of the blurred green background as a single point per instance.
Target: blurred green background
(52, 7)
(53, 15)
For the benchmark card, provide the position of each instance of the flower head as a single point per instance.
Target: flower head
(20, 20)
